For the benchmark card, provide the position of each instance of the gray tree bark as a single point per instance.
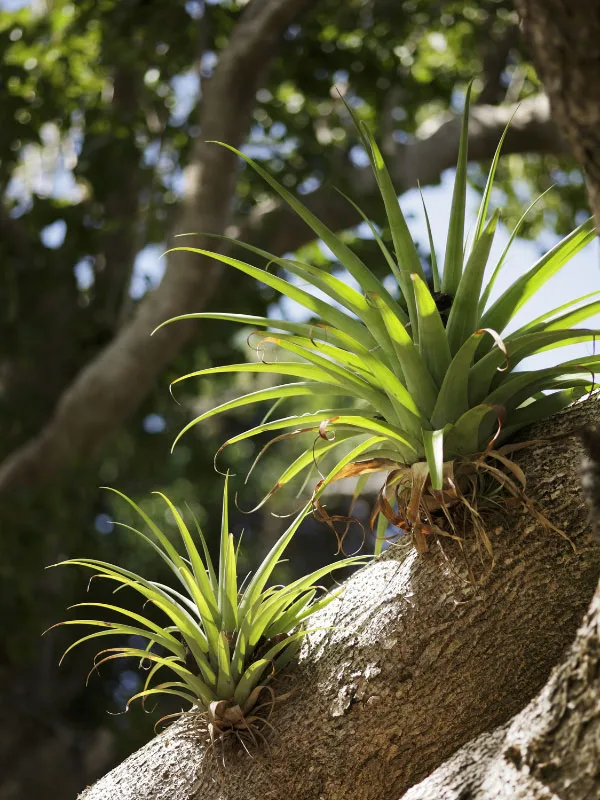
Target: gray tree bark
(564, 37)
(551, 749)
(417, 665)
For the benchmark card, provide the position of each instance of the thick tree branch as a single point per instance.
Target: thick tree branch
(413, 665)
(114, 384)
(122, 206)
(495, 51)
(551, 749)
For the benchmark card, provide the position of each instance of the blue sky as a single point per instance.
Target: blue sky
(579, 277)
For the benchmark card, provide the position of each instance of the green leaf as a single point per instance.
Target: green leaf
(209, 565)
(299, 389)
(210, 618)
(325, 311)
(422, 390)
(485, 375)
(196, 685)
(397, 405)
(434, 455)
(359, 271)
(164, 688)
(308, 458)
(116, 629)
(463, 320)
(456, 230)
(433, 342)
(486, 293)
(164, 540)
(198, 568)
(350, 457)
(551, 320)
(341, 293)
(543, 408)
(261, 576)
(507, 305)
(522, 385)
(255, 671)
(305, 423)
(464, 438)
(481, 216)
(319, 370)
(437, 282)
(179, 616)
(336, 289)
(225, 682)
(227, 570)
(404, 246)
(316, 331)
(292, 616)
(453, 399)
(384, 250)
(358, 385)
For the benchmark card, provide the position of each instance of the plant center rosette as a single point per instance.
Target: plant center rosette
(209, 642)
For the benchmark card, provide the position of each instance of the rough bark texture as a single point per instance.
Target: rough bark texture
(112, 386)
(551, 749)
(415, 667)
(564, 36)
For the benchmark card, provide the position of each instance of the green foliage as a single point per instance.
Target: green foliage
(221, 642)
(420, 388)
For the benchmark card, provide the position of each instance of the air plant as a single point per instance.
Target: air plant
(221, 643)
(430, 400)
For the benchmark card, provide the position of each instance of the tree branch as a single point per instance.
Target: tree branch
(434, 150)
(110, 388)
(551, 749)
(495, 50)
(114, 383)
(122, 206)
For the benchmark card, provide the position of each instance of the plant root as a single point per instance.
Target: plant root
(472, 489)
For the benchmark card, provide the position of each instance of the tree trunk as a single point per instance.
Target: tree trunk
(552, 748)
(416, 665)
(564, 36)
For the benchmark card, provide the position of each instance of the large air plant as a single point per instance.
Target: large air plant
(221, 645)
(428, 399)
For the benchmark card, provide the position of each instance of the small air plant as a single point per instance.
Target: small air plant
(221, 644)
(430, 399)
